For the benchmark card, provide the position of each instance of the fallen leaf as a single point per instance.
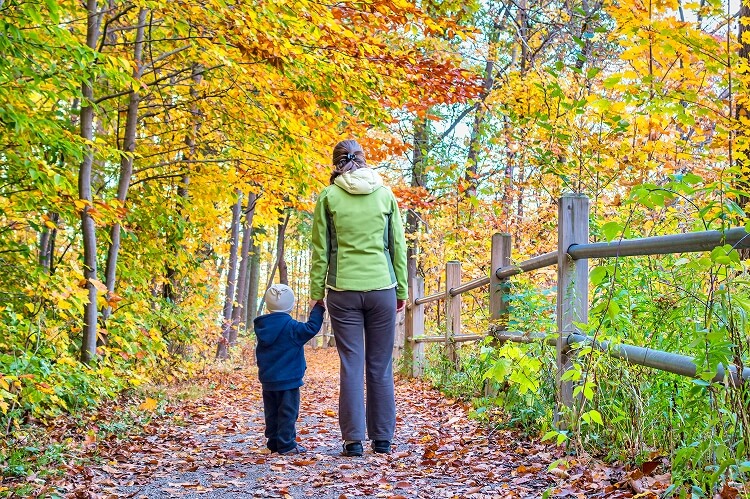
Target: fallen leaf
(649, 466)
(148, 405)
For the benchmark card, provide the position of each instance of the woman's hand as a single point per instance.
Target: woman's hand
(400, 304)
(317, 302)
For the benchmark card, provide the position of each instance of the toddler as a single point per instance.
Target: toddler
(281, 365)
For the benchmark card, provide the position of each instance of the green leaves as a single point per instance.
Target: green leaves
(559, 436)
(586, 389)
(651, 196)
(592, 416)
(597, 275)
(611, 230)
(725, 255)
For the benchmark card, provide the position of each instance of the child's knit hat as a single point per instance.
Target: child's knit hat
(280, 298)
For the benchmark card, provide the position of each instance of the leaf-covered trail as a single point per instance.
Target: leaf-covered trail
(214, 447)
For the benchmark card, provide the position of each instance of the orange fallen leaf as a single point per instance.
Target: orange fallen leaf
(148, 405)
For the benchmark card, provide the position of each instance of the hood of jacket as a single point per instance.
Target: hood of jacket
(360, 181)
(268, 327)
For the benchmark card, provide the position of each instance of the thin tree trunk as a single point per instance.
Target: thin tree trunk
(44, 257)
(297, 284)
(251, 304)
(170, 286)
(222, 351)
(47, 244)
(470, 177)
(270, 272)
(126, 163)
(88, 228)
(480, 114)
(280, 261)
(523, 23)
(241, 287)
(417, 180)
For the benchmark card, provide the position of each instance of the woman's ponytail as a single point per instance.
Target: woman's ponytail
(348, 156)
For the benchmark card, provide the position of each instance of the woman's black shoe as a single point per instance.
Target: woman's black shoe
(353, 449)
(381, 446)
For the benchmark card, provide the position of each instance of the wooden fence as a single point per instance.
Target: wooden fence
(571, 258)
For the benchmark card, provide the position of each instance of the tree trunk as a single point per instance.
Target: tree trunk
(47, 244)
(475, 141)
(251, 303)
(523, 23)
(170, 286)
(470, 177)
(297, 284)
(126, 163)
(280, 261)
(272, 271)
(507, 200)
(417, 180)
(88, 228)
(222, 351)
(241, 288)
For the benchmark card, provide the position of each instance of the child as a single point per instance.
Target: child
(281, 365)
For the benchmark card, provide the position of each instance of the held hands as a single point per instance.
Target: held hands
(317, 302)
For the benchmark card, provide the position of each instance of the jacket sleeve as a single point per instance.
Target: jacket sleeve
(398, 251)
(302, 332)
(319, 246)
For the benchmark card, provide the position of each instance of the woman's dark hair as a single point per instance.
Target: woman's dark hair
(347, 157)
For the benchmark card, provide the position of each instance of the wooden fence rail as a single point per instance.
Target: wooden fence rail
(571, 258)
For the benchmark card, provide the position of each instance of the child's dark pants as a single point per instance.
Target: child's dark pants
(281, 409)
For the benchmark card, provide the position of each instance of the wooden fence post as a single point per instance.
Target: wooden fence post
(414, 328)
(452, 309)
(572, 289)
(499, 257)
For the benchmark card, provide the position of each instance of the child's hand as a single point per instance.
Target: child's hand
(317, 302)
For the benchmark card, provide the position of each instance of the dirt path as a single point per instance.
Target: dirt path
(214, 447)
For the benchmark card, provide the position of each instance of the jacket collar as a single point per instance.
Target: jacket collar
(360, 181)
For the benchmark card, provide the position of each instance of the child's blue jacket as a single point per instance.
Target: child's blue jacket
(280, 352)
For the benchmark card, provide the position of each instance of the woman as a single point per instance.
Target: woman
(359, 256)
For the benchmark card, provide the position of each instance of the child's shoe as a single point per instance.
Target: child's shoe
(352, 449)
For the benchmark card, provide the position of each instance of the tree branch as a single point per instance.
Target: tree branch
(165, 55)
